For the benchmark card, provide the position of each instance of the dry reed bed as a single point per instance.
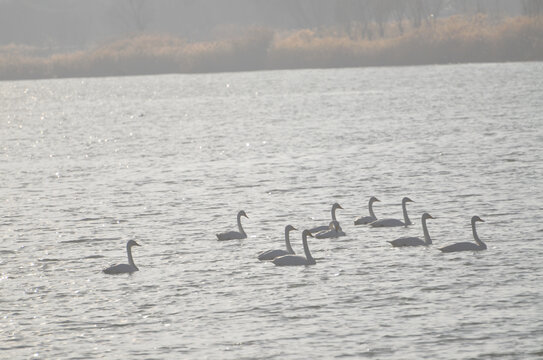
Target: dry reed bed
(451, 40)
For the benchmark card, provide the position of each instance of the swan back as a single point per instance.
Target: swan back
(387, 223)
(407, 241)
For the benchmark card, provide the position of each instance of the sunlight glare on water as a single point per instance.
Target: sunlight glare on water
(88, 164)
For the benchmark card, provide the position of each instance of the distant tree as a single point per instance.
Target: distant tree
(434, 8)
(532, 7)
(416, 10)
(354, 16)
(381, 13)
(134, 14)
(398, 13)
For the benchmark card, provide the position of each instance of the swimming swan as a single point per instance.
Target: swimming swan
(367, 219)
(272, 254)
(467, 246)
(325, 227)
(395, 222)
(124, 268)
(415, 241)
(334, 231)
(232, 235)
(294, 260)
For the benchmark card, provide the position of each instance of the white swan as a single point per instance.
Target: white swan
(294, 260)
(232, 235)
(395, 222)
(333, 231)
(415, 241)
(325, 227)
(367, 219)
(272, 254)
(467, 246)
(124, 268)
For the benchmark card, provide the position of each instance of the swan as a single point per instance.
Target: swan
(326, 227)
(367, 219)
(467, 246)
(232, 235)
(124, 268)
(272, 254)
(395, 222)
(294, 260)
(333, 231)
(415, 241)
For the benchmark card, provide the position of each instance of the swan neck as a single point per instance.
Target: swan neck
(130, 259)
(427, 238)
(370, 207)
(476, 237)
(240, 228)
(405, 217)
(308, 256)
(287, 242)
(334, 213)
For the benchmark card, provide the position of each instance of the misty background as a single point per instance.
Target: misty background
(80, 38)
(78, 24)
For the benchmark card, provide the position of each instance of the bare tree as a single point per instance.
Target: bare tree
(381, 12)
(532, 7)
(135, 14)
(416, 10)
(398, 13)
(434, 8)
(355, 16)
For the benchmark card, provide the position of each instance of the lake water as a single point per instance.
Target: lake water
(88, 164)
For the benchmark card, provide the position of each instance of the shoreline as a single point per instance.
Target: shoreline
(454, 40)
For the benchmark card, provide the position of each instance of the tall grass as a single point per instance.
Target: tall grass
(451, 40)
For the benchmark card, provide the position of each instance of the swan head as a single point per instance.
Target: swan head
(406, 200)
(427, 216)
(242, 213)
(336, 206)
(306, 233)
(374, 199)
(289, 228)
(476, 218)
(131, 243)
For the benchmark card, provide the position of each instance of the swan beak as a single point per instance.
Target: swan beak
(377, 200)
(481, 220)
(310, 235)
(293, 228)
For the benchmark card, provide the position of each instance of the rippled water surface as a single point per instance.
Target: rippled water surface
(88, 164)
